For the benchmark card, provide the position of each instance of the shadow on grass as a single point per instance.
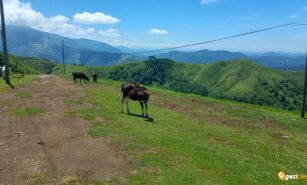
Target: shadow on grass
(140, 116)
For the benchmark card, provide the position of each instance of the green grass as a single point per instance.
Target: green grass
(27, 111)
(17, 80)
(24, 95)
(197, 140)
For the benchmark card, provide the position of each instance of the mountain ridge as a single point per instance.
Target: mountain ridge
(26, 41)
(275, 60)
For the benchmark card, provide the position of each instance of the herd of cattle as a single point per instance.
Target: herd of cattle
(128, 91)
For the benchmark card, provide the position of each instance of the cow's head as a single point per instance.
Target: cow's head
(87, 78)
(144, 95)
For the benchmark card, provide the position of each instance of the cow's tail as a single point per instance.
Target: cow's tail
(121, 92)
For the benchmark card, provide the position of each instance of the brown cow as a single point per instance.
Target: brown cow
(135, 92)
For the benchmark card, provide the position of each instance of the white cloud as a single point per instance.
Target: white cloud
(206, 2)
(94, 18)
(90, 30)
(293, 16)
(22, 13)
(110, 33)
(158, 31)
(17, 12)
(59, 19)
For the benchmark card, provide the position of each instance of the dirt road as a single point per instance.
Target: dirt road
(52, 147)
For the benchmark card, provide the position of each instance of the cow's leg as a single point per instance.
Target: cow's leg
(142, 106)
(127, 103)
(146, 109)
(75, 80)
(84, 80)
(80, 80)
(122, 106)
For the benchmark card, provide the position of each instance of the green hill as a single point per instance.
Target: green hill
(29, 65)
(23, 69)
(239, 80)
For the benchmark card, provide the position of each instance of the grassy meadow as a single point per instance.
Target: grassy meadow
(197, 140)
(190, 139)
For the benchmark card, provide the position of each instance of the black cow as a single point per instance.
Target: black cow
(80, 75)
(135, 92)
(95, 77)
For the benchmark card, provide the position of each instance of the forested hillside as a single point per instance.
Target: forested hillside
(29, 65)
(239, 80)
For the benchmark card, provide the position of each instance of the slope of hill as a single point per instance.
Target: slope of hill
(29, 65)
(22, 69)
(25, 41)
(239, 80)
(202, 56)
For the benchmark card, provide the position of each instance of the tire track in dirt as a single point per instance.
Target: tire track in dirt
(53, 146)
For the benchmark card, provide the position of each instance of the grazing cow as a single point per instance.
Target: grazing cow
(135, 92)
(95, 77)
(3, 72)
(80, 75)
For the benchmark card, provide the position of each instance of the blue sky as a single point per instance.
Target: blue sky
(168, 23)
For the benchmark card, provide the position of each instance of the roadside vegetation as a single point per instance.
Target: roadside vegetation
(23, 69)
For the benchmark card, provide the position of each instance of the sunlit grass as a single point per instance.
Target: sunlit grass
(24, 95)
(197, 140)
(17, 81)
(26, 111)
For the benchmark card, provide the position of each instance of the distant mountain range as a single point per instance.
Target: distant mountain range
(274, 60)
(202, 56)
(287, 61)
(25, 41)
